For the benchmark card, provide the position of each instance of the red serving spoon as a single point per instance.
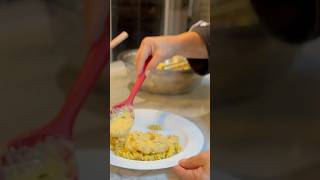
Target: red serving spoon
(62, 124)
(128, 103)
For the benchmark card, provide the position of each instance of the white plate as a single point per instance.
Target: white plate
(190, 136)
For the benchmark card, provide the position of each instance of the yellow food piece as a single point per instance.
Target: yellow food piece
(154, 127)
(146, 146)
(175, 63)
(121, 124)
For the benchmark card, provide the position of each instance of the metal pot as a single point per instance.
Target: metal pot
(161, 81)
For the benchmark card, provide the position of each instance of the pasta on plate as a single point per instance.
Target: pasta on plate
(145, 146)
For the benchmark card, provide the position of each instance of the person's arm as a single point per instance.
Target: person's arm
(203, 30)
(188, 44)
(201, 67)
(192, 45)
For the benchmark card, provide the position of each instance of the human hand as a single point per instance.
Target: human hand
(159, 47)
(194, 168)
(187, 44)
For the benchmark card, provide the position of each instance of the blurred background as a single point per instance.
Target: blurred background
(42, 48)
(266, 90)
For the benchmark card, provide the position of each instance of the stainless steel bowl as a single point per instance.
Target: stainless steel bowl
(161, 81)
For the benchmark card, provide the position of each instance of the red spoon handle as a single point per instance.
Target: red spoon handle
(92, 68)
(138, 82)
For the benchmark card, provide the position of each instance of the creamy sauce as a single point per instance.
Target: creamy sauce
(121, 124)
(147, 143)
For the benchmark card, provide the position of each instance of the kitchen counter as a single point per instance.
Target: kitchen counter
(194, 106)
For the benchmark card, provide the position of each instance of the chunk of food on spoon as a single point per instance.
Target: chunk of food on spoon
(121, 122)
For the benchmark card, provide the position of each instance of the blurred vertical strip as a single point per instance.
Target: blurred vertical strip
(212, 110)
(108, 91)
(97, 20)
(95, 13)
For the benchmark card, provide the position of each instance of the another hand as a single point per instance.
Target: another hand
(194, 168)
